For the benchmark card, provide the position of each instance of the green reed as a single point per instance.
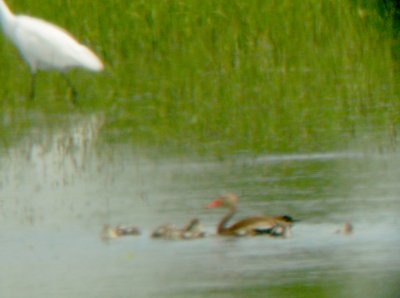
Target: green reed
(225, 75)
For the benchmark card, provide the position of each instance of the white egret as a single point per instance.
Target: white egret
(45, 46)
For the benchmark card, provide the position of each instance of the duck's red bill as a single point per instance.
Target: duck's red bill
(214, 204)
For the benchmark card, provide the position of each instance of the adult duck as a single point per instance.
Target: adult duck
(258, 225)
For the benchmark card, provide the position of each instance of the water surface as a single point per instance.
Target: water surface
(58, 191)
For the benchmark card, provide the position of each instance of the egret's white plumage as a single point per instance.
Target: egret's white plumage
(45, 46)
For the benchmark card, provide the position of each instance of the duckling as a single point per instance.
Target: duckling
(191, 231)
(163, 231)
(109, 232)
(347, 229)
(128, 230)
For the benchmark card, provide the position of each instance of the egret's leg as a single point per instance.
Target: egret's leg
(33, 86)
(72, 88)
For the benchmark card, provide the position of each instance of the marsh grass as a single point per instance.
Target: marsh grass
(221, 76)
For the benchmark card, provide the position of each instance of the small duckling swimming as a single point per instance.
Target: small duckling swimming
(163, 231)
(109, 232)
(191, 231)
(347, 229)
(128, 230)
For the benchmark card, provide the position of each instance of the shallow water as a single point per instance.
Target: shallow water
(58, 191)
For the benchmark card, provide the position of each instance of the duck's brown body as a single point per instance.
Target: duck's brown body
(251, 226)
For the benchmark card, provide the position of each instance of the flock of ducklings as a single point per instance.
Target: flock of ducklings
(166, 231)
(273, 226)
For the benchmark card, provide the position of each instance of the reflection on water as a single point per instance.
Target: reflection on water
(57, 193)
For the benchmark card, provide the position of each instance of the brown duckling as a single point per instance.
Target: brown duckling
(346, 229)
(191, 231)
(109, 232)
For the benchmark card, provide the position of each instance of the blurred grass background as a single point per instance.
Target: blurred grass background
(220, 76)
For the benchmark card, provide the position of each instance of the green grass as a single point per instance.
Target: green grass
(223, 76)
